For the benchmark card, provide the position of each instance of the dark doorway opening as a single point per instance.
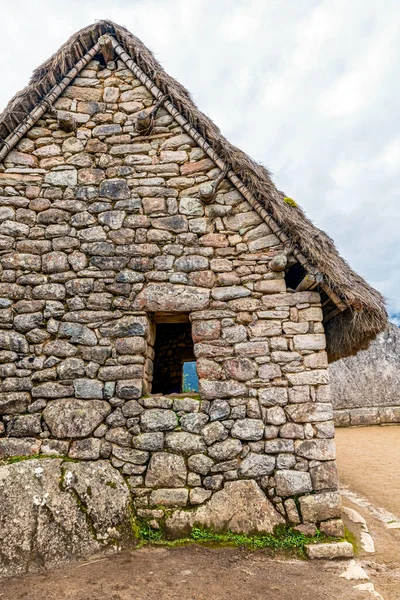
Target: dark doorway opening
(173, 353)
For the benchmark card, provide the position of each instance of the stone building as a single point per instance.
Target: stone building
(135, 239)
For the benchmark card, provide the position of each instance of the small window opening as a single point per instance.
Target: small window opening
(294, 275)
(174, 369)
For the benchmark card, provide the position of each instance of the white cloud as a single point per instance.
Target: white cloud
(308, 88)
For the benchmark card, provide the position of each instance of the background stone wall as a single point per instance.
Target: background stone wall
(100, 231)
(366, 387)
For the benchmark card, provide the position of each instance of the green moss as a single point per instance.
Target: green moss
(283, 539)
(111, 484)
(17, 459)
(349, 537)
(290, 202)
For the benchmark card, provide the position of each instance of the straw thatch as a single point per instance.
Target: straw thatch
(347, 332)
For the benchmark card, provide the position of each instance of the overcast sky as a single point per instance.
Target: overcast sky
(309, 88)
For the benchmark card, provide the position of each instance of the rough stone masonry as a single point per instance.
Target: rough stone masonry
(101, 230)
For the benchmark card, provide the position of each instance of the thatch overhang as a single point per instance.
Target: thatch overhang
(354, 311)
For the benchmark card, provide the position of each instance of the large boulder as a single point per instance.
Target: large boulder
(240, 507)
(54, 511)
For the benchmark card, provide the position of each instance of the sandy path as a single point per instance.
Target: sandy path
(369, 463)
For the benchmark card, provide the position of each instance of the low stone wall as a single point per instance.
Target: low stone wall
(375, 415)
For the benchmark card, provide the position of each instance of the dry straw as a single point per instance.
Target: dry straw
(348, 331)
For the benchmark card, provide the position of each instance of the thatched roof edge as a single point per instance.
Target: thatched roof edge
(349, 331)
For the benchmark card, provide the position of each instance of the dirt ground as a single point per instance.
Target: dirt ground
(186, 573)
(369, 465)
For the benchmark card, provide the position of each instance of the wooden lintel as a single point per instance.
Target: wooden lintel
(305, 283)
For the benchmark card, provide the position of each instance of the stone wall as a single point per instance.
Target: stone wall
(100, 232)
(366, 387)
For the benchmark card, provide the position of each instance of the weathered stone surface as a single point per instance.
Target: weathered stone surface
(256, 465)
(241, 369)
(148, 441)
(324, 476)
(320, 507)
(137, 457)
(214, 432)
(166, 470)
(158, 420)
(193, 422)
(10, 447)
(199, 495)
(169, 497)
(292, 483)
(12, 403)
(44, 524)
(88, 388)
(221, 389)
(219, 409)
(241, 506)
(172, 298)
(199, 463)
(226, 450)
(310, 412)
(184, 443)
(329, 551)
(88, 449)
(248, 429)
(71, 418)
(316, 449)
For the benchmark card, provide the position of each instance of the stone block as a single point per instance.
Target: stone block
(226, 450)
(200, 463)
(199, 495)
(277, 446)
(193, 422)
(73, 418)
(329, 551)
(320, 507)
(309, 412)
(210, 390)
(172, 298)
(316, 449)
(156, 419)
(152, 442)
(256, 465)
(166, 470)
(292, 483)
(248, 429)
(13, 403)
(309, 342)
(274, 396)
(88, 449)
(88, 388)
(169, 497)
(324, 476)
(10, 447)
(184, 443)
(316, 377)
(241, 368)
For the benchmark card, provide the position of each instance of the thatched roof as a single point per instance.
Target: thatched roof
(364, 314)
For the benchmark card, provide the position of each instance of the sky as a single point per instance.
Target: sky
(309, 88)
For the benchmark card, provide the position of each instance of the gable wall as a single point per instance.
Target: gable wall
(99, 231)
